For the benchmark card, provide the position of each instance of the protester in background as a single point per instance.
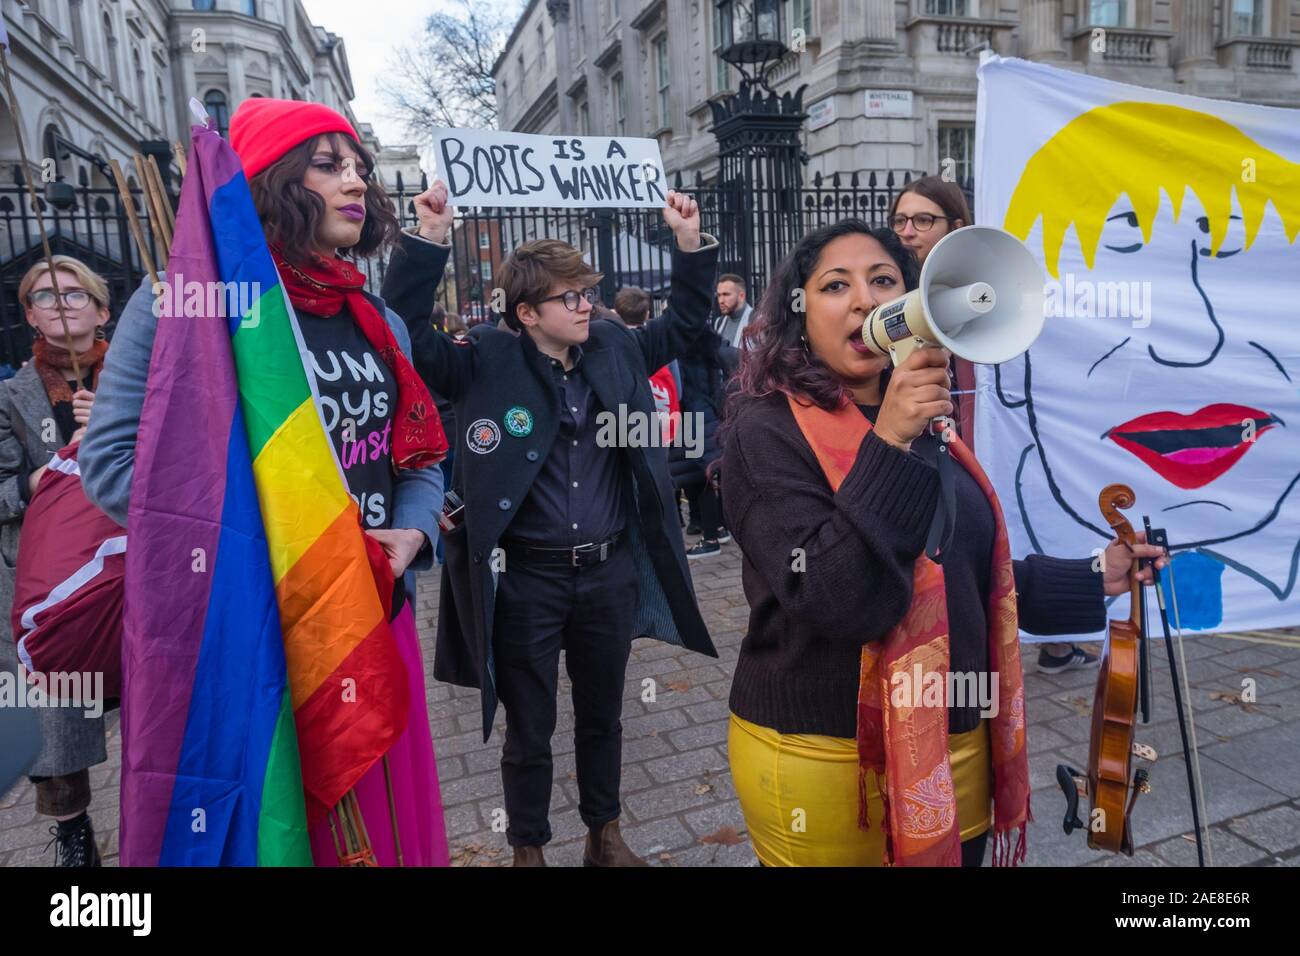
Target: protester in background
(42, 409)
(600, 311)
(734, 310)
(706, 367)
(924, 212)
(456, 329)
(567, 540)
(634, 306)
(830, 487)
(311, 184)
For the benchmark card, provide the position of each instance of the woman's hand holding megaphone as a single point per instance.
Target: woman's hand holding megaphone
(917, 393)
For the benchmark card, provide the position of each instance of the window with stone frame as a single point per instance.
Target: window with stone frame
(619, 99)
(662, 75)
(957, 150)
(75, 14)
(218, 107)
(1248, 18)
(721, 81)
(951, 8)
(801, 17)
(1111, 13)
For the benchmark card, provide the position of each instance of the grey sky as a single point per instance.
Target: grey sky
(370, 30)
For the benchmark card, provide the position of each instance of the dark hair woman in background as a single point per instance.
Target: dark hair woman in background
(829, 486)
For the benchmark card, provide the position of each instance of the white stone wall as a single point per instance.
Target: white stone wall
(861, 45)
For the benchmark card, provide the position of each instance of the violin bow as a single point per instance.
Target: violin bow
(1186, 721)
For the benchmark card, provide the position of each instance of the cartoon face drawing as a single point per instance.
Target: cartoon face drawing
(1159, 250)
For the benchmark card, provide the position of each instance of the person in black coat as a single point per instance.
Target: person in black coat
(568, 537)
(705, 369)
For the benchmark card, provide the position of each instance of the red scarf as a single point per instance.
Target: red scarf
(323, 287)
(908, 745)
(54, 366)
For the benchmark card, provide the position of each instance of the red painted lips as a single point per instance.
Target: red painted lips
(1193, 450)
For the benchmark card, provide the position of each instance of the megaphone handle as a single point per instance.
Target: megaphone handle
(900, 350)
(944, 521)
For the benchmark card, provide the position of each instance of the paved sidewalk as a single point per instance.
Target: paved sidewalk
(681, 810)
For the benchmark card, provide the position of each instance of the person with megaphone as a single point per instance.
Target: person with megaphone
(924, 212)
(878, 707)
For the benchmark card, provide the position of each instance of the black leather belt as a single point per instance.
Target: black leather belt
(582, 556)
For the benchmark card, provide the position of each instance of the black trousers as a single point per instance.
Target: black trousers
(587, 612)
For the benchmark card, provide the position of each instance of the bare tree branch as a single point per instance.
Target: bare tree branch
(444, 78)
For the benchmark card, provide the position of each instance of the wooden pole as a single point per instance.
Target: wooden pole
(166, 201)
(124, 191)
(157, 221)
(392, 811)
(179, 152)
(40, 219)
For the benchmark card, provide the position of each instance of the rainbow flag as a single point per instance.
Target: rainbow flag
(260, 677)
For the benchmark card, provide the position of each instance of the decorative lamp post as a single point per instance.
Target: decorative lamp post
(753, 35)
(760, 156)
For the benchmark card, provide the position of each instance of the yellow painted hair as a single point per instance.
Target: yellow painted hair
(1139, 149)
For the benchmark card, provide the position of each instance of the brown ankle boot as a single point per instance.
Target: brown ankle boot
(529, 856)
(605, 847)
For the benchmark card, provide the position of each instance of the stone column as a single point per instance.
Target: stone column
(235, 70)
(1194, 38)
(877, 20)
(277, 78)
(679, 72)
(559, 11)
(1041, 30)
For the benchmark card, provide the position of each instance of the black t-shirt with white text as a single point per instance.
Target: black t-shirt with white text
(358, 397)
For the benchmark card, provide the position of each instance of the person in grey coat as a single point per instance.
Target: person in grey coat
(42, 409)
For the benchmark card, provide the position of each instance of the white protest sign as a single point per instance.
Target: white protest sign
(502, 168)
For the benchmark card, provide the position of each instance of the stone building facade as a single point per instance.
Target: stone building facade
(890, 83)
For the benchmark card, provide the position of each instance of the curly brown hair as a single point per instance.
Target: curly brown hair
(291, 213)
(778, 359)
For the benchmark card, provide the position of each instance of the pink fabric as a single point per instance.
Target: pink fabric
(414, 771)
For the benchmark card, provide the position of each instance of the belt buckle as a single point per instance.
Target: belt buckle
(590, 548)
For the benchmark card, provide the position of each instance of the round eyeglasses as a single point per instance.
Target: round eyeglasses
(72, 298)
(572, 298)
(923, 221)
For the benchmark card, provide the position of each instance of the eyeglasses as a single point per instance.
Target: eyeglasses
(72, 299)
(572, 298)
(922, 221)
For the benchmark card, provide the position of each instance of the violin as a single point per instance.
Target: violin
(1111, 783)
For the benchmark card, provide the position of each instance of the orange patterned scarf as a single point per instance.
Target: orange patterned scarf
(908, 745)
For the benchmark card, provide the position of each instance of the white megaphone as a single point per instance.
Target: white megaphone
(980, 297)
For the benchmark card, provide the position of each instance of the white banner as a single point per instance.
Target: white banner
(495, 168)
(1170, 359)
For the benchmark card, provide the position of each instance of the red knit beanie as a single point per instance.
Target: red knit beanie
(263, 130)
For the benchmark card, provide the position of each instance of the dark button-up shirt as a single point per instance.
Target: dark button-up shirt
(577, 497)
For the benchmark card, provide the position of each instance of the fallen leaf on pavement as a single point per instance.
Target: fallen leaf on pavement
(680, 686)
(727, 836)
(1082, 705)
(703, 788)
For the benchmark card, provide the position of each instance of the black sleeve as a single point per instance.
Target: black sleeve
(690, 298)
(414, 271)
(859, 544)
(410, 285)
(1059, 596)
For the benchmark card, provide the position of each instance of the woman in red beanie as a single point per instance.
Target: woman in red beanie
(311, 183)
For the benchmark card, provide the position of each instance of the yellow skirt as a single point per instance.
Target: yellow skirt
(799, 794)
